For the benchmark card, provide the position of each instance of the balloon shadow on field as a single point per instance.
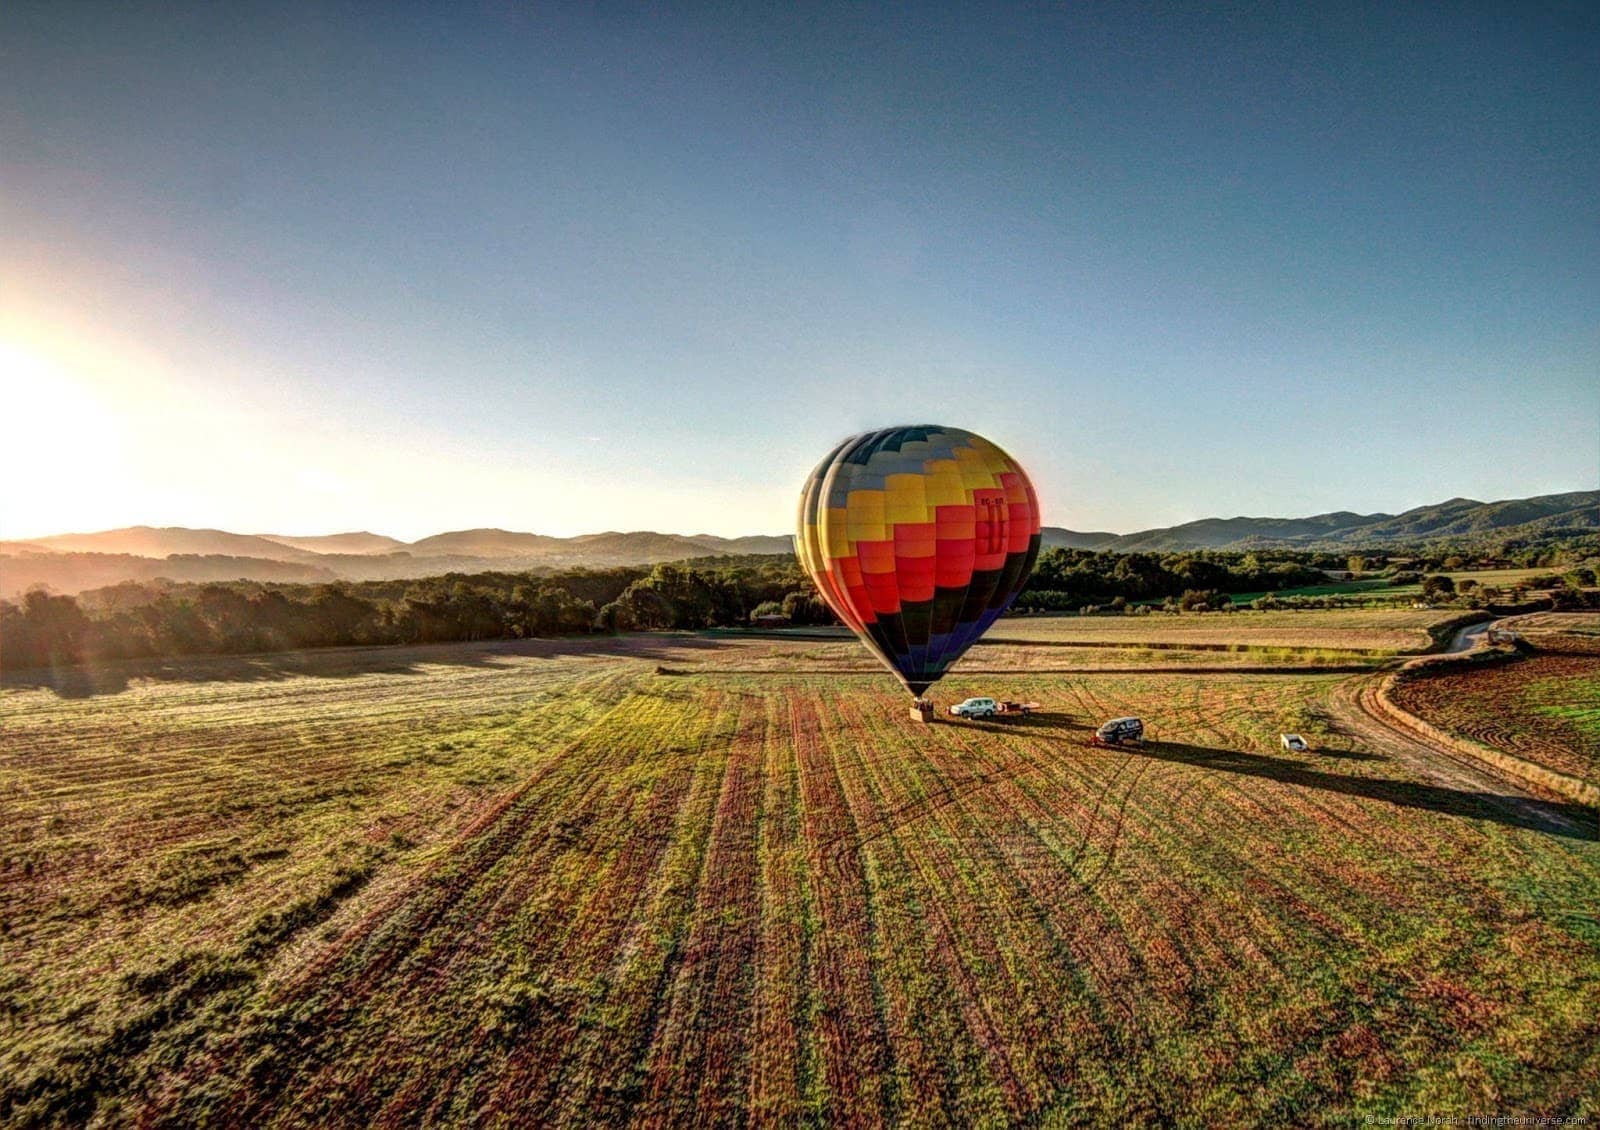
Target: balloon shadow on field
(1574, 821)
(1038, 722)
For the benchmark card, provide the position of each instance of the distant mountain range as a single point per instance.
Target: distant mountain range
(71, 563)
(74, 562)
(1457, 518)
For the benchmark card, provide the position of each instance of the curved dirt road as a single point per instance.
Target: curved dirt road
(1470, 637)
(1354, 706)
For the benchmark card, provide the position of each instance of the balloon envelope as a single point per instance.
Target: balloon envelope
(918, 538)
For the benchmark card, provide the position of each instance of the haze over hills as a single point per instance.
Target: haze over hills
(484, 543)
(149, 541)
(74, 562)
(1058, 537)
(361, 542)
(70, 563)
(1458, 517)
(611, 547)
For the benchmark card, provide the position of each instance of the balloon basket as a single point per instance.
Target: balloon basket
(921, 710)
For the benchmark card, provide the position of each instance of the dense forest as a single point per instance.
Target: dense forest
(162, 618)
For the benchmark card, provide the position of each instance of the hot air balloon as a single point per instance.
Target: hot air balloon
(918, 538)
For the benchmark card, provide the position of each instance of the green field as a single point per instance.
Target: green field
(543, 882)
(1575, 701)
(1378, 590)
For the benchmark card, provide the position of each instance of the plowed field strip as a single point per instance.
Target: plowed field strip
(937, 1029)
(392, 965)
(779, 1076)
(704, 1031)
(856, 1060)
(1500, 707)
(774, 899)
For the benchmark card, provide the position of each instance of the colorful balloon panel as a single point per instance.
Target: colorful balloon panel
(918, 538)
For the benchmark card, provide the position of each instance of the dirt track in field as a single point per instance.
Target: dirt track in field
(1355, 706)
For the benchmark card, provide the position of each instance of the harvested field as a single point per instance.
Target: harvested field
(1377, 630)
(1560, 623)
(541, 882)
(1343, 638)
(1497, 578)
(1005, 655)
(1575, 631)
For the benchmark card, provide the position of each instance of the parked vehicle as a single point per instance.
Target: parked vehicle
(989, 707)
(976, 708)
(1294, 743)
(1119, 731)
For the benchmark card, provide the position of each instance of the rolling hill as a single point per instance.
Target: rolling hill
(615, 547)
(1463, 517)
(72, 573)
(485, 543)
(359, 542)
(72, 562)
(1221, 533)
(163, 541)
(750, 543)
(1056, 537)
(1457, 517)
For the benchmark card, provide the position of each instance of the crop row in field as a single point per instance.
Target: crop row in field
(183, 833)
(538, 882)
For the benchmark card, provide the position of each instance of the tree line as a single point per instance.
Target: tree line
(1070, 579)
(133, 620)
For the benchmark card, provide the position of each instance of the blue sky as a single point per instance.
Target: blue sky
(316, 268)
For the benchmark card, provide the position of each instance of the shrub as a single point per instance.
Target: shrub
(1438, 585)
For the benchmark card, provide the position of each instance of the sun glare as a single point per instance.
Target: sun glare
(66, 439)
